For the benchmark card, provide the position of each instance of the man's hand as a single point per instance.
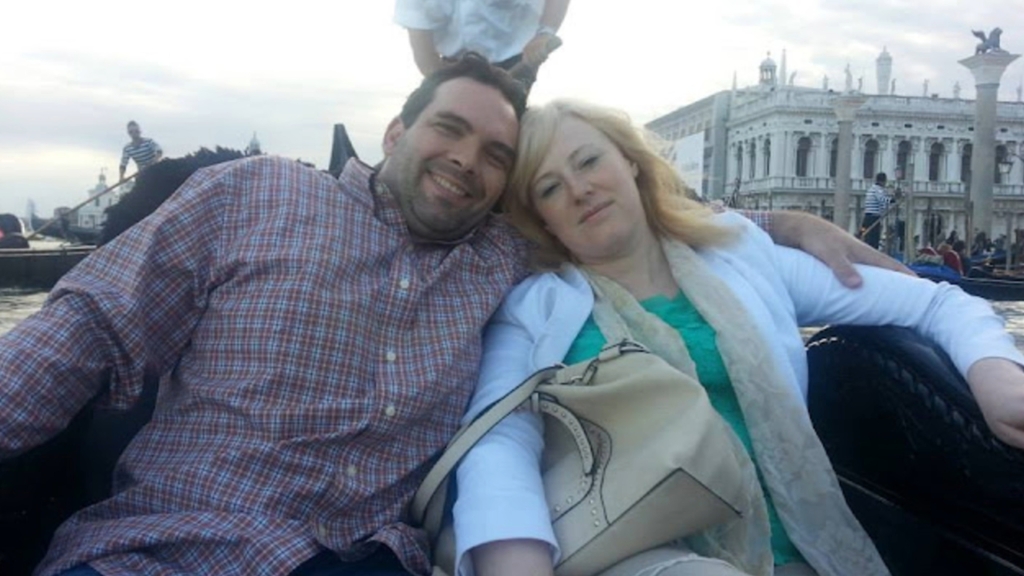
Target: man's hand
(998, 386)
(536, 50)
(831, 244)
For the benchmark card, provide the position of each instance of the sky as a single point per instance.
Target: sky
(217, 71)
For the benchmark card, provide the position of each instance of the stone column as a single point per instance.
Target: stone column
(987, 70)
(821, 162)
(887, 159)
(845, 107)
(952, 160)
(779, 143)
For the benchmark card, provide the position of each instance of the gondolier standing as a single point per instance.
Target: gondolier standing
(875, 204)
(144, 151)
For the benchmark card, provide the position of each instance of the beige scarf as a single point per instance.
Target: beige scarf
(793, 462)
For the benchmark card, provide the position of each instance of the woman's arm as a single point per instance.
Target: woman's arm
(998, 386)
(964, 326)
(501, 514)
(513, 558)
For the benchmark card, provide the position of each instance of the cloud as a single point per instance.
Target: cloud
(205, 73)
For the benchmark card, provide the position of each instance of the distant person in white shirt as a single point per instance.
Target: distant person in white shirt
(876, 202)
(506, 33)
(144, 151)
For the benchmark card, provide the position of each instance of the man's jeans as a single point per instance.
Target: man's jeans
(380, 563)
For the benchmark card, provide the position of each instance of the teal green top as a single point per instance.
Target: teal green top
(699, 337)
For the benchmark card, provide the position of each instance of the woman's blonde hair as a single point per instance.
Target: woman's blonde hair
(670, 206)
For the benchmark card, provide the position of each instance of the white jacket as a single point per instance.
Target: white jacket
(500, 492)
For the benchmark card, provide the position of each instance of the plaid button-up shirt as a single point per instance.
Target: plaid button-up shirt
(319, 358)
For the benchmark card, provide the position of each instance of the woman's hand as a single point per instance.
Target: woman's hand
(513, 558)
(998, 386)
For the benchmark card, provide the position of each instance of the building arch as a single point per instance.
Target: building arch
(936, 162)
(903, 154)
(752, 170)
(803, 156)
(965, 163)
(1001, 156)
(870, 159)
(833, 157)
(739, 162)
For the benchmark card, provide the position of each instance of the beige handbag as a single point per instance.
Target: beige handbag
(634, 457)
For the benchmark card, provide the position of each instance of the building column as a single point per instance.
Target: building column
(987, 70)
(887, 149)
(952, 161)
(920, 159)
(779, 154)
(821, 162)
(845, 108)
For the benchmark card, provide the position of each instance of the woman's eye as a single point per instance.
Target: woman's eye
(547, 190)
(588, 161)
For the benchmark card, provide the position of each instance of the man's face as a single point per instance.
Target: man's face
(450, 166)
(133, 131)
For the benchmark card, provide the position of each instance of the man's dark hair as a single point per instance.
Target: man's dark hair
(880, 178)
(472, 66)
(10, 224)
(133, 123)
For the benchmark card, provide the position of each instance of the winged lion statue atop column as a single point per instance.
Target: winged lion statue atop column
(990, 43)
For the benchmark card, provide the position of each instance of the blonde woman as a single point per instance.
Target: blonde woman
(622, 252)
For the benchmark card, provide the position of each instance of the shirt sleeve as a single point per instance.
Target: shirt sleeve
(422, 14)
(124, 158)
(501, 491)
(156, 148)
(125, 311)
(763, 220)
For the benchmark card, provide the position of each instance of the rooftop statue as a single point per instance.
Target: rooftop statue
(849, 78)
(990, 44)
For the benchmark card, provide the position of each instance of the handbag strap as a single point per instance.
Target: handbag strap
(467, 437)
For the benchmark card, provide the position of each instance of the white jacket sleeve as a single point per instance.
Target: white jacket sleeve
(500, 489)
(964, 326)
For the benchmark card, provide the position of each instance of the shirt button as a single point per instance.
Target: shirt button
(390, 411)
(350, 471)
(403, 283)
(391, 356)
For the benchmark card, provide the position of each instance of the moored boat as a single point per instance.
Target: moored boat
(39, 266)
(989, 287)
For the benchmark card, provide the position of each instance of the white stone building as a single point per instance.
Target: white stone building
(92, 214)
(774, 146)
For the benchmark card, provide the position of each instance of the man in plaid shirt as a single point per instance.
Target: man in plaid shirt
(314, 370)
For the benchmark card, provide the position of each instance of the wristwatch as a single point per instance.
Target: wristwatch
(544, 29)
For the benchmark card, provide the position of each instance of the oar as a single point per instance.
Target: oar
(882, 216)
(79, 205)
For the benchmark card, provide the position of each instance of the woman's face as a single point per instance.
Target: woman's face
(585, 192)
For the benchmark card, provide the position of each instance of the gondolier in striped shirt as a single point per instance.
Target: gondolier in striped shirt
(875, 204)
(144, 151)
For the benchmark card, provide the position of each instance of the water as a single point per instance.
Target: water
(16, 305)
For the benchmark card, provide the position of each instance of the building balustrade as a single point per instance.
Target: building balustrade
(822, 184)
